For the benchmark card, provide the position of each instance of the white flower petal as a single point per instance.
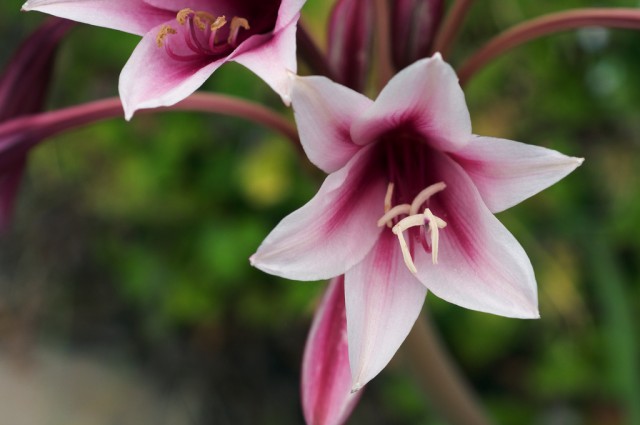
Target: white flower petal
(507, 172)
(383, 301)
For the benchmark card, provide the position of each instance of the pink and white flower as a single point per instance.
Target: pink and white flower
(407, 207)
(184, 42)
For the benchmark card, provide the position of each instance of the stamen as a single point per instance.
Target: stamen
(404, 224)
(165, 30)
(203, 19)
(218, 23)
(183, 15)
(215, 26)
(435, 223)
(424, 196)
(387, 197)
(406, 254)
(236, 24)
(414, 219)
(409, 222)
(402, 209)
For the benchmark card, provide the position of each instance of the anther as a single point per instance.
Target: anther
(203, 19)
(402, 209)
(388, 197)
(424, 196)
(165, 30)
(183, 15)
(218, 23)
(236, 24)
(435, 223)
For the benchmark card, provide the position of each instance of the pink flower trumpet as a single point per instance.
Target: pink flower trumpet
(184, 42)
(407, 207)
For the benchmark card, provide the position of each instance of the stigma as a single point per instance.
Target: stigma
(426, 221)
(202, 35)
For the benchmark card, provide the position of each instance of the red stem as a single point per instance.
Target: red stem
(545, 25)
(20, 134)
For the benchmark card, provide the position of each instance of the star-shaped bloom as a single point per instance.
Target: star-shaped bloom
(185, 41)
(408, 207)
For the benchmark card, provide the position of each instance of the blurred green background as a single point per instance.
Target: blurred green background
(129, 250)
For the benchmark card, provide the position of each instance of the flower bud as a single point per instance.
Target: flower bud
(326, 376)
(413, 27)
(351, 26)
(23, 88)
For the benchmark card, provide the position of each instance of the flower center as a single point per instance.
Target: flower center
(201, 35)
(426, 221)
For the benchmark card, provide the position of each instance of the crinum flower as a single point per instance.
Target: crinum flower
(407, 207)
(184, 42)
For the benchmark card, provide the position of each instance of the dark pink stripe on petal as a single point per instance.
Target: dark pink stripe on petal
(326, 376)
(481, 266)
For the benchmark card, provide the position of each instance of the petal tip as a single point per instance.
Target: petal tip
(356, 387)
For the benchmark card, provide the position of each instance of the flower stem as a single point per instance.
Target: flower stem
(449, 30)
(311, 54)
(18, 135)
(548, 24)
(383, 42)
(439, 377)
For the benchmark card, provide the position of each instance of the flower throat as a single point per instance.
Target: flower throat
(406, 166)
(202, 34)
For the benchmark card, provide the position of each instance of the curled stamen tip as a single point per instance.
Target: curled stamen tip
(183, 15)
(165, 30)
(237, 22)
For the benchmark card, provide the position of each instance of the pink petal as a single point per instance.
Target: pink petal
(289, 11)
(333, 231)
(424, 98)
(383, 301)
(324, 112)
(480, 266)
(271, 57)
(507, 172)
(326, 376)
(151, 78)
(134, 16)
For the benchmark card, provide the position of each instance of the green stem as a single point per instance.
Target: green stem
(545, 25)
(440, 378)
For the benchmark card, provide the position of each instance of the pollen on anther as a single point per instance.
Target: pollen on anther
(165, 30)
(234, 29)
(183, 15)
(219, 22)
(203, 19)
